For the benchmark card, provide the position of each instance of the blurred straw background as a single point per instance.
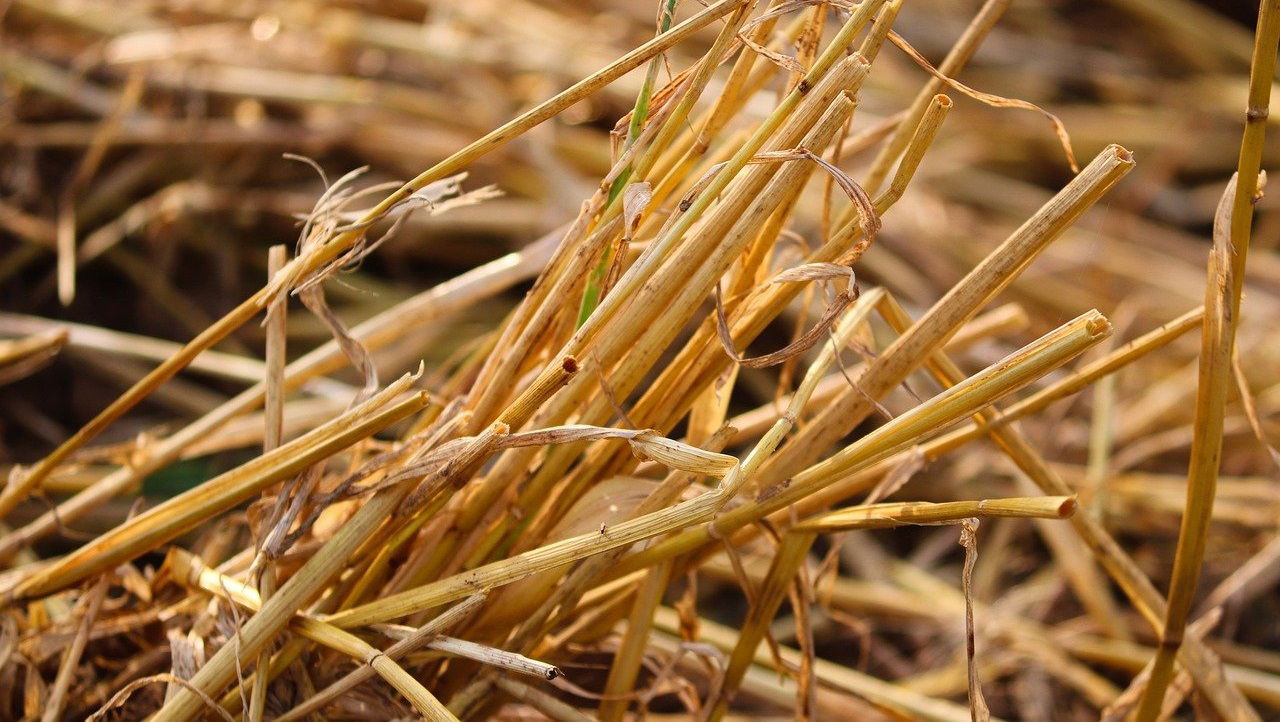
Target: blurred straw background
(153, 152)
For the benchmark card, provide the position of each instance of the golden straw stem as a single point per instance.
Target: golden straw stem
(181, 513)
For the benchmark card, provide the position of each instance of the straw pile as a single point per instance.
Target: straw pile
(756, 359)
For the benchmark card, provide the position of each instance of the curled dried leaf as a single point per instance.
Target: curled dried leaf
(994, 101)
(330, 216)
(795, 348)
(815, 272)
(786, 62)
(570, 433)
(862, 203)
(682, 457)
(781, 9)
(355, 351)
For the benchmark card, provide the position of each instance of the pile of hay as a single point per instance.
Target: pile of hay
(745, 359)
